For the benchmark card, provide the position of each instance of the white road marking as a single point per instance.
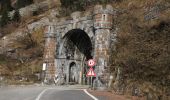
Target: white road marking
(90, 95)
(39, 96)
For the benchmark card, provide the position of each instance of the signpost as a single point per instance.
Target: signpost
(44, 66)
(91, 72)
(43, 72)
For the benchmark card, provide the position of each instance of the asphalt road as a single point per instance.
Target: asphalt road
(45, 93)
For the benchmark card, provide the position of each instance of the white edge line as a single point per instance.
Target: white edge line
(90, 95)
(39, 96)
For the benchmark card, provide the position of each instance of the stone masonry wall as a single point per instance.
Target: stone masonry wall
(103, 20)
(49, 52)
(98, 27)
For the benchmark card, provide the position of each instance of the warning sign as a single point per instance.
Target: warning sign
(91, 72)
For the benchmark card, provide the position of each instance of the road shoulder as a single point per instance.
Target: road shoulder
(107, 95)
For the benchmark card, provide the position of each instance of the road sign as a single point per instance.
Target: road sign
(44, 66)
(91, 72)
(91, 62)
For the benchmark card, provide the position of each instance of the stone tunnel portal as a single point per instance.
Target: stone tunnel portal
(62, 47)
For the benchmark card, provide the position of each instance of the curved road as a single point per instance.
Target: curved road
(45, 93)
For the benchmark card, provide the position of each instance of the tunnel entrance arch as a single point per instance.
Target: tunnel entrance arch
(79, 39)
(75, 49)
(78, 47)
(73, 77)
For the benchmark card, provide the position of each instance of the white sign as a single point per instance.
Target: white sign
(91, 62)
(44, 66)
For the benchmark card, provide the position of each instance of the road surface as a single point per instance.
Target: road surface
(46, 93)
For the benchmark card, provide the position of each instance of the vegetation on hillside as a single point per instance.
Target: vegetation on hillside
(142, 49)
(69, 6)
(23, 3)
(5, 4)
(16, 17)
(5, 18)
(6, 8)
(25, 60)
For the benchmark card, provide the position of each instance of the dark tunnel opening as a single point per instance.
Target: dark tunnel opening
(81, 40)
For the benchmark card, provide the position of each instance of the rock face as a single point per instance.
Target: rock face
(77, 40)
(38, 7)
(10, 39)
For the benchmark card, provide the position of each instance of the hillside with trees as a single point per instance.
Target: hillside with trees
(140, 60)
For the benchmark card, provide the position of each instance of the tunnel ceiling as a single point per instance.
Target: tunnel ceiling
(81, 40)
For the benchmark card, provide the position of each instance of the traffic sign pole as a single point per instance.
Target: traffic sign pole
(91, 82)
(91, 73)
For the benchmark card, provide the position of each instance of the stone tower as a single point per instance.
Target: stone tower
(49, 53)
(103, 24)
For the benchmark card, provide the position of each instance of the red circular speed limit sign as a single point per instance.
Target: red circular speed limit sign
(91, 62)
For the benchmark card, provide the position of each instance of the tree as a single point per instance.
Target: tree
(6, 3)
(66, 3)
(23, 3)
(16, 16)
(74, 5)
(5, 18)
